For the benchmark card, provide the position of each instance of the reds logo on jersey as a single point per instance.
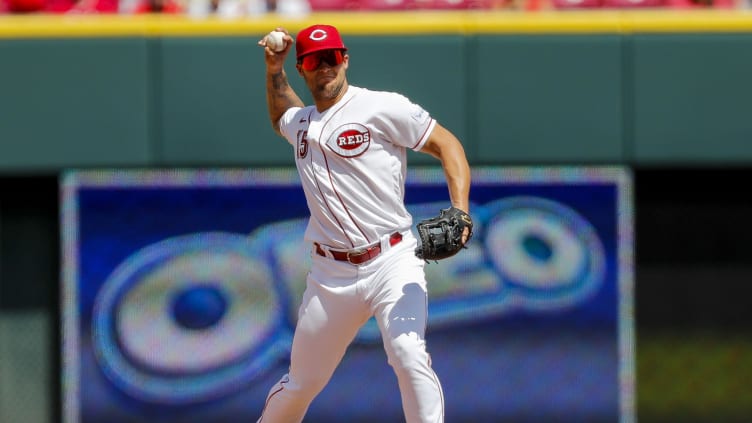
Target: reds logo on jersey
(350, 140)
(302, 144)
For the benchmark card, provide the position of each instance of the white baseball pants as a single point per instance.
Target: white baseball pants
(339, 299)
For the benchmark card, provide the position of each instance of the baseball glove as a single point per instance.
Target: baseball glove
(440, 237)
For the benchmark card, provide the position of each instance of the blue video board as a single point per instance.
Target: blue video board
(181, 290)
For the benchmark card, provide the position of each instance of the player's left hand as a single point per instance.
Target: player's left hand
(445, 235)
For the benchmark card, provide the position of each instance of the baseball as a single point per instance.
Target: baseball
(275, 40)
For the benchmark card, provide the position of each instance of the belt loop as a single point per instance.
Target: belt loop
(385, 242)
(325, 249)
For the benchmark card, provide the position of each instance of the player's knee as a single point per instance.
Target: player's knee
(307, 386)
(407, 352)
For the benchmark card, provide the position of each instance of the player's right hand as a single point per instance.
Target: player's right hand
(275, 60)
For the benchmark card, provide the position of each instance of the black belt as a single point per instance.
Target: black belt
(360, 255)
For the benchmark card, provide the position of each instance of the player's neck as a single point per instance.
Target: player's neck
(322, 104)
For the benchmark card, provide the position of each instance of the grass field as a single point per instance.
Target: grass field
(694, 377)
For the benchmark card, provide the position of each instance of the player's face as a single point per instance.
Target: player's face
(324, 73)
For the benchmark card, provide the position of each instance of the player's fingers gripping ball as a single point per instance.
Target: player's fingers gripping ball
(275, 40)
(440, 237)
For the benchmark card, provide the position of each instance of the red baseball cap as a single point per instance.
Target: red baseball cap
(318, 37)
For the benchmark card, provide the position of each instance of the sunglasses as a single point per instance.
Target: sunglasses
(312, 61)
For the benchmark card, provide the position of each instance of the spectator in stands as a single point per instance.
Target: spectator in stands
(158, 6)
(22, 6)
(231, 9)
(59, 6)
(91, 6)
(703, 4)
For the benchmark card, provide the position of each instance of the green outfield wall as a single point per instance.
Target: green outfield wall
(635, 88)
(666, 93)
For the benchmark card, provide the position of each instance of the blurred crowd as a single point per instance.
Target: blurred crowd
(239, 8)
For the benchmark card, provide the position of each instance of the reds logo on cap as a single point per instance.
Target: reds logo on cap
(318, 37)
(350, 140)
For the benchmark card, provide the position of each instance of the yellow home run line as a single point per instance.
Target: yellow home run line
(382, 23)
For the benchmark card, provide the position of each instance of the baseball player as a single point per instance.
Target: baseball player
(350, 151)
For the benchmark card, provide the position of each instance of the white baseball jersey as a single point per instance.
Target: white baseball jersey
(352, 164)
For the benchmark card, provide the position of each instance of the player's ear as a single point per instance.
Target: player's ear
(299, 68)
